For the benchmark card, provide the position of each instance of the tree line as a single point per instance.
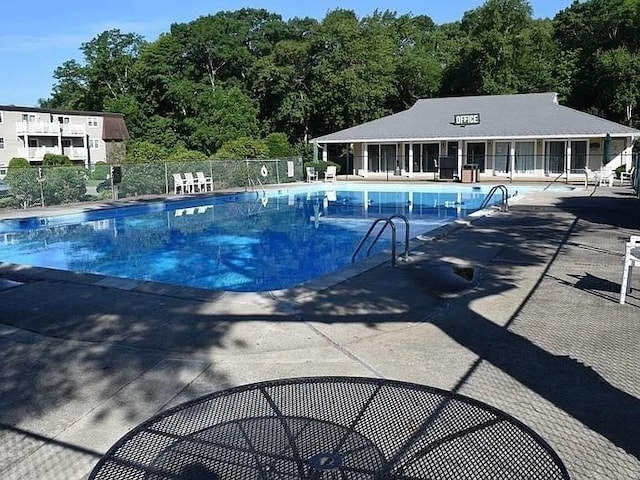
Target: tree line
(223, 83)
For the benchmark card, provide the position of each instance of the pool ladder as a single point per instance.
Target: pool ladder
(388, 221)
(505, 197)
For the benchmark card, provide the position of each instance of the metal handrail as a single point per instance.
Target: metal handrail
(386, 221)
(406, 234)
(505, 197)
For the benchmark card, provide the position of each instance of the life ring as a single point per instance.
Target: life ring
(263, 171)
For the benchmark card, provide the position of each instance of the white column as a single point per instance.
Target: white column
(325, 153)
(567, 162)
(410, 172)
(461, 147)
(365, 159)
(512, 158)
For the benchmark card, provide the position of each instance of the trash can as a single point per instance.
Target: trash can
(469, 173)
(447, 168)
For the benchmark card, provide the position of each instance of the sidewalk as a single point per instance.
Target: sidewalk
(532, 327)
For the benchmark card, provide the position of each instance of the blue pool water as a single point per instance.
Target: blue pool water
(242, 242)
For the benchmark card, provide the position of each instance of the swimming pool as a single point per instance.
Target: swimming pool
(254, 242)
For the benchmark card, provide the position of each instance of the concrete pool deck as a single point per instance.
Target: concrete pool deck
(537, 332)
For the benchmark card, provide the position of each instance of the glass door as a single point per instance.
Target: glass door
(476, 154)
(554, 157)
(578, 156)
(501, 159)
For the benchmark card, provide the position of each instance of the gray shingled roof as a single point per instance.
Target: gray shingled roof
(531, 115)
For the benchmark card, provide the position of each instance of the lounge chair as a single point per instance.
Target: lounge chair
(312, 175)
(179, 184)
(330, 174)
(205, 184)
(631, 259)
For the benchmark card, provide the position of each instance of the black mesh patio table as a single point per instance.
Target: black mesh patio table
(331, 428)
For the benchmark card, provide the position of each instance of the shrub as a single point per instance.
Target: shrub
(100, 171)
(52, 160)
(23, 182)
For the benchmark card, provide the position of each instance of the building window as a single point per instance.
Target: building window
(94, 144)
(1, 143)
(28, 118)
(92, 121)
(0, 117)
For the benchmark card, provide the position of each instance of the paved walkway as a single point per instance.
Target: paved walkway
(530, 324)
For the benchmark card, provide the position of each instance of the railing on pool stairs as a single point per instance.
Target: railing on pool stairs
(504, 206)
(387, 222)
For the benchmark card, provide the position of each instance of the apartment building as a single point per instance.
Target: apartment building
(85, 137)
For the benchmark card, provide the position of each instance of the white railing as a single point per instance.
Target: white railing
(37, 153)
(74, 129)
(51, 128)
(75, 153)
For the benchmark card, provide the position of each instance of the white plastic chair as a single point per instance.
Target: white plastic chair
(179, 184)
(190, 182)
(330, 174)
(205, 184)
(627, 177)
(591, 177)
(631, 259)
(312, 175)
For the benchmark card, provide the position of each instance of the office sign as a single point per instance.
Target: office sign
(463, 119)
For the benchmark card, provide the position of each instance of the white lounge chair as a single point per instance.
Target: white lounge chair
(606, 179)
(179, 184)
(330, 174)
(631, 259)
(205, 184)
(312, 175)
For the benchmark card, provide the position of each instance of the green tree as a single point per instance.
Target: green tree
(220, 116)
(146, 152)
(599, 40)
(281, 81)
(418, 63)
(353, 70)
(181, 153)
(243, 148)
(505, 51)
(278, 146)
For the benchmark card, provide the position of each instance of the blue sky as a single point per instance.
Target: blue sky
(36, 39)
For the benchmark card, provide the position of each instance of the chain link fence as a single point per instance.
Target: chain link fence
(29, 187)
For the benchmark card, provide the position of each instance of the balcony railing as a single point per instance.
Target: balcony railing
(37, 153)
(50, 128)
(75, 153)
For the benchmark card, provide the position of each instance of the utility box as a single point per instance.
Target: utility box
(470, 173)
(447, 168)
